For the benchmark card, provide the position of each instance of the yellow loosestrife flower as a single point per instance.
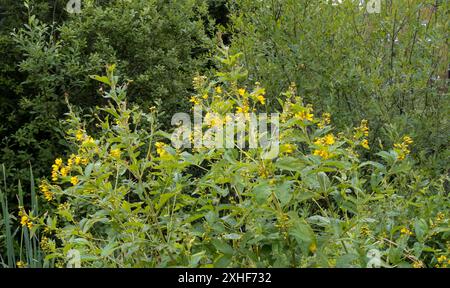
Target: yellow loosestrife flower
(74, 180)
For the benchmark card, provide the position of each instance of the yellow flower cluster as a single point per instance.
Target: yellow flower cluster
(58, 168)
(402, 149)
(323, 144)
(21, 264)
(443, 262)
(115, 153)
(160, 149)
(406, 231)
(325, 141)
(288, 148)
(55, 169)
(261, 99)
(244, 109)
(74, 180)
(199, 81)
(25, 219)
(362, 131)
(305, 114)
(45, 189)
(47, 245)
(326, 120)
(195, 100)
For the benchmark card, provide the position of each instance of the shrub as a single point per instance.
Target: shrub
(158, 44)
(390, 68)
(126, 198)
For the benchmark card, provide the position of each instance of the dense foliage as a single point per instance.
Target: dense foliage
(90, 179)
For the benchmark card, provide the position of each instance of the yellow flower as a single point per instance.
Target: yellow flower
(79, 135)
(218, 90)
(115, 153)
(194, 100)
(365, 144)
(402, 149)
(288, 148)
(405, 231)
(241, 91)
(21, 264)
(441, 258)
(54, 175)
(325, 141)
(46, 191)
(329, 139)
(77, 160)
(304, 115)
(407, 140)
(326, 120)
(24, 220)
(362, 129)
(64, 171)
(84, 161)
(205, 96)
(58, 162)
(88, 141)
(417, 264)
(261, 99)
(313, 247)
(243, 109)
(74, 180)
(322, 153)
(160, 149)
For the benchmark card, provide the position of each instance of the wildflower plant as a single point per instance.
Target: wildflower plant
(128, 198)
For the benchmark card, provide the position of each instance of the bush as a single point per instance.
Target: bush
(158, 44)
(390, 68)
(126, 198)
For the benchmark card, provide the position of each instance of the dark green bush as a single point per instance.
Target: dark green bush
(158, 44)
(389, 68)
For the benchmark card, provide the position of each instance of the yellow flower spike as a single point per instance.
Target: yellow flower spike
(74, 180)
(21, 264)
(261, 99)
(405, 231)
(58, 162)
(322, 153)
(115, 153)
(288, 148)
(79, 135)
(64, 171)
(304, 115)
(365, 144)
(407, 140)
(160, 149)
(54, 175)
(194, 100)
(326, 120)
(243, 109)
(77, 160)
(24, 220)
(441, 258)
(329, 139)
